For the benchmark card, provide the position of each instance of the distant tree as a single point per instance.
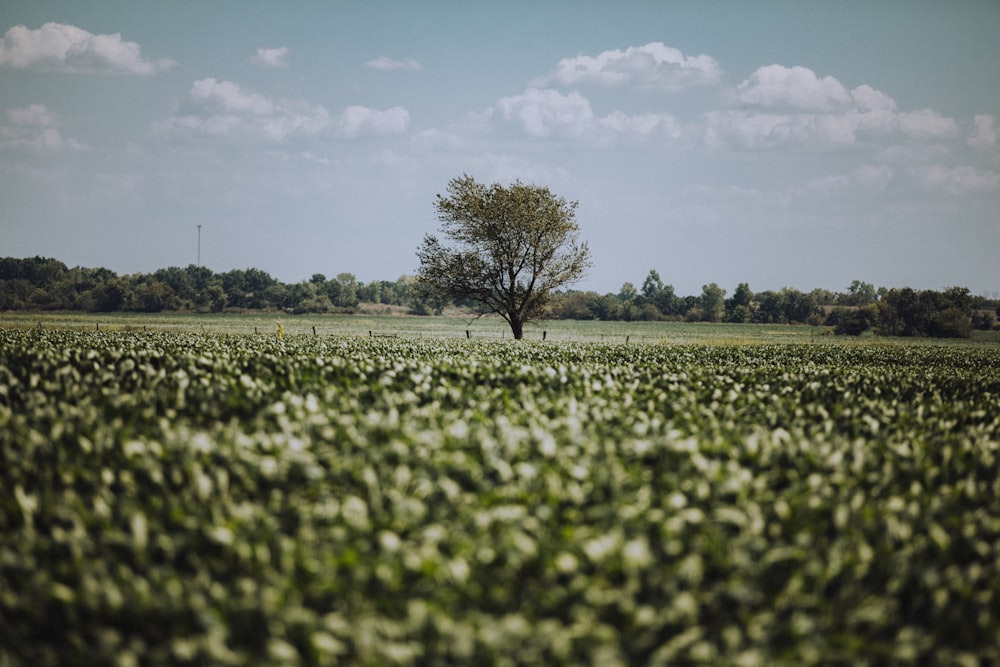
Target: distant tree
(983, 320)
(859, 294)
(799, 306)
(111, 296)
(738, 307)
(179, 281)
(652, 286)
(153, 296)
(509, 249)
(215, 298)
(713, 303)
(628, 293)
(347, 294)
(200, 277)
(854, 321)
(786, 306)
(659, 295)
(905, 312)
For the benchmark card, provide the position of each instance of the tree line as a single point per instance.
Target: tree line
(952, 313)
(40, 284)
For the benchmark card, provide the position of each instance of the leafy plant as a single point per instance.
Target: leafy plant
(225, 499)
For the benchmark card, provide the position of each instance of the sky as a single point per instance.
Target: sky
(777, 143)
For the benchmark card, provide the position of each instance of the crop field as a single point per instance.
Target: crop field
(405, 326)
(228, 499)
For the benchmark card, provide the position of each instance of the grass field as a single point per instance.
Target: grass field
(407, 326)
(490, 328)
(738, 495)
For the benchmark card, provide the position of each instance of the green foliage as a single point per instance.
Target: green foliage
(506, 249)
(713, 303)
(906, 312)
(221, 499)
(41, 284)
(853, 321)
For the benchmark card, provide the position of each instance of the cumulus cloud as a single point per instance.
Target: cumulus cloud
(748, 130)
(220, 108)
(276, 58)
(779, 87)
(229, 97)
(34, 129)
(386, 64)
(867, 177)
(926, 124)
(37, 115)
(983, 131)
(544, 113)
(653, 66)
(436, 139)
(357, 120)
(58, 47)
(792, 107)
(956, 180)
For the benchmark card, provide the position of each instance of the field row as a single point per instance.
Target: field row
(223, 499)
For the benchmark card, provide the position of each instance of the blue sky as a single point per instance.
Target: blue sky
(800, 144)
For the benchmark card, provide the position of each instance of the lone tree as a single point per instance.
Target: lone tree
(508, 249)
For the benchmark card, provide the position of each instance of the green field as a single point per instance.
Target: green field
(489, 328)
(708, 495)
(406, 326)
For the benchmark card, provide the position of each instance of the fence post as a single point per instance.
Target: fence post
(468, 334)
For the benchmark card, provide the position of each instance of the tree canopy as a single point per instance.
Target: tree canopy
(507, 249)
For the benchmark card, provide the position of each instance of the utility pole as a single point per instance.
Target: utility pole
(199, 246)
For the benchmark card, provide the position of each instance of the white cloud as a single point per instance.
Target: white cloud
(34, 129)
(748, 130)
(867, 177)
(956, 180)
(357, 120)
(226, 109)
(983, 131)
(386, 64)
(230, 97)
(433, 139)
(58, 47)
(867, 98)
(641, 126)
(276, 58)
(926, 124)
(543, 113)
(37, 115)
(779, 87)
(791, 107)
(653, 66)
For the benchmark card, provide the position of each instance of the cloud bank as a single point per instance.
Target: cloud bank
(225, 110)
(276, 58)
(58, 47)
(654, 66)
(385, 64)
(34, 129)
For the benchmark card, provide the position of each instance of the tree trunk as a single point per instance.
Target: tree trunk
(517, 327)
